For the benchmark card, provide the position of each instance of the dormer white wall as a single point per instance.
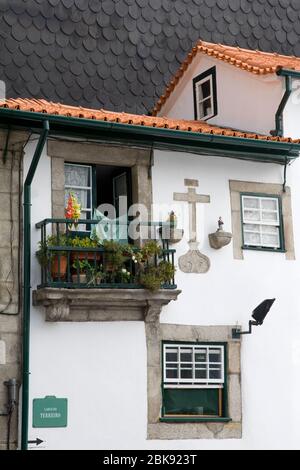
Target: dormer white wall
(245, 101)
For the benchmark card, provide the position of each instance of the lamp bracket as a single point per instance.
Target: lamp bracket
(236, 333)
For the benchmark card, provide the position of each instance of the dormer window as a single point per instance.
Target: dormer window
(205, 95)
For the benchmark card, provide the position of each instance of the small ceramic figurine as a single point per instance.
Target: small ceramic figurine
(220, 223)
(172, 219)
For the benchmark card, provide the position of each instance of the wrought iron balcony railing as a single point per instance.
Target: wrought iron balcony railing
(72, 259)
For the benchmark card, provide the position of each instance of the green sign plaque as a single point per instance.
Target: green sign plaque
(50, 412)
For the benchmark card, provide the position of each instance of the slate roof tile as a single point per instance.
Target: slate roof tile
(157, 34)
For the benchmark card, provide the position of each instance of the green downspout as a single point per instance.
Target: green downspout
(288, 74)
(27, 281)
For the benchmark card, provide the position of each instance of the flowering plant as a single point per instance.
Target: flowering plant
(73, 209)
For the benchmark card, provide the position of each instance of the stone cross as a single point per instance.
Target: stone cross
(192, 198)
(193, 261)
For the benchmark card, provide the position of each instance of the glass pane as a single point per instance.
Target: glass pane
(252, 228)
(200, 355)
(251, 238)
(82, 195)
(269, 229)
(250, 203)
(191, 402)
(172, 373)
(186, 355)
(215, 355)
(200, 374)
(269, 216)
(252, 215)
(186, 373)
(76, 175)
(172, 355)
(269, 204)
(215, 374)
(272, 240)
(205, 108)
(204, 90)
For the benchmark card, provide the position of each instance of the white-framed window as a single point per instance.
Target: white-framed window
(193, 365)
(261, 218)
(205, 99)
(78, 180)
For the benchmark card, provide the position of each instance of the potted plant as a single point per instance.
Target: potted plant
(114, 258)
(95, 275)
(154, 277)
(57, 260)
(82, 268)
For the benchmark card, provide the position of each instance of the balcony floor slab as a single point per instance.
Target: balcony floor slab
(82, 305)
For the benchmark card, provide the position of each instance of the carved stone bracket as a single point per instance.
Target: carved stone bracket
(103, 304)
(194, 262)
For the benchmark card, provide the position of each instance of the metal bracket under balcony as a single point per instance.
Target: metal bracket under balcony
(81, 305)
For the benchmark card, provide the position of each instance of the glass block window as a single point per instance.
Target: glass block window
(262, 226)
(78, 180)
(193, 364)
(205, 95)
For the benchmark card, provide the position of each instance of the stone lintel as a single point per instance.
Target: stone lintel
(103, 304)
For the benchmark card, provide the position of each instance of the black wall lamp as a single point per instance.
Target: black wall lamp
(259, 314)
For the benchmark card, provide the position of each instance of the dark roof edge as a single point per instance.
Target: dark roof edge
(208, 144)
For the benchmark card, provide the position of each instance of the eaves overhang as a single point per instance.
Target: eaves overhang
(262, 150)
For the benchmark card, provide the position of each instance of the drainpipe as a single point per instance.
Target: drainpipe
(27, 281)
(282, 105)
(289, 75)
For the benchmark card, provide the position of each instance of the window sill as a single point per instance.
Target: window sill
(194, 420)
(258, 248)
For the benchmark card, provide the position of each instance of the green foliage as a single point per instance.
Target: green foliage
(154, 277)
(85, 242)
(95, 275)
(121, 263)
(150, 249)
(44, 255)
(81, 265)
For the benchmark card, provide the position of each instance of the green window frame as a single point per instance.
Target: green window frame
(194, 382)
(262, 222)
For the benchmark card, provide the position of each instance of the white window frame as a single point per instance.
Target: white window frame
(193, 382)
(261, 222)
(86, 210)
(200, 101)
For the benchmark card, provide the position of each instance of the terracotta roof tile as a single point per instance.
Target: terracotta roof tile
(197, 127)
(256, 62)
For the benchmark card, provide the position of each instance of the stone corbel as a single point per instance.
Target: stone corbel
(58, 311)
(152, 311)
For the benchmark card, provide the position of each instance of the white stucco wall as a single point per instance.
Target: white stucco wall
(257, 97)
(291, 115)
(101, 367)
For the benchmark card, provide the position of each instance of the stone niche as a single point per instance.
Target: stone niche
(83, 305)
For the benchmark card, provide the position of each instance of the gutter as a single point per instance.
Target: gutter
(210, 144)
(27, 281)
